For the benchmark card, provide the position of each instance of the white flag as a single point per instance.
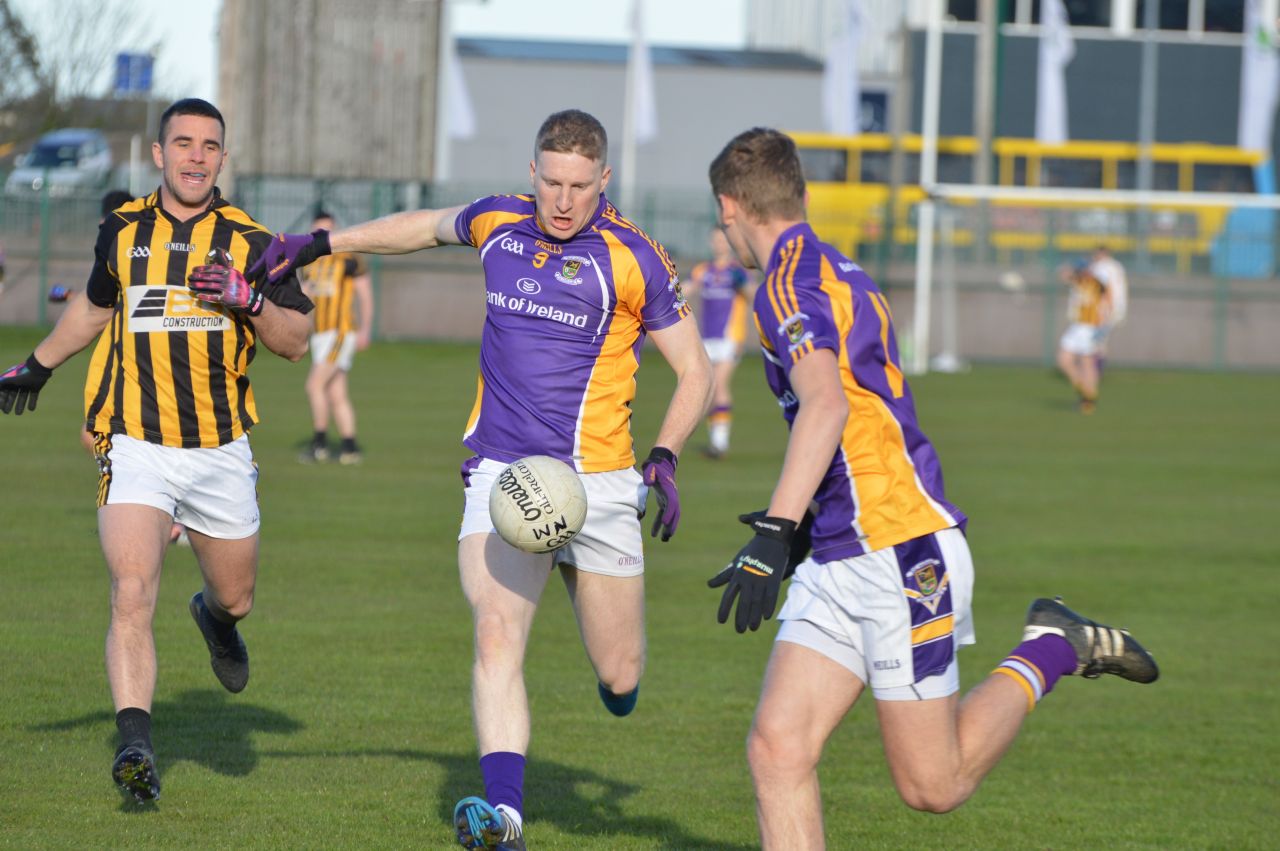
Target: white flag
(841, 95)
(1259, 81)
(644, 110)
(462, 117)
(1057, 49)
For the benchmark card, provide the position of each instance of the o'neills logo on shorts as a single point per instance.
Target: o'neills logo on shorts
(166, 309)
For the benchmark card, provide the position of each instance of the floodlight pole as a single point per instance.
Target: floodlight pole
(928, 177)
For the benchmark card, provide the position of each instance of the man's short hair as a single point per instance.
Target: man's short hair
(113, 199)
(573, 131)
(322, 213)
(190, 106)
(760, 169)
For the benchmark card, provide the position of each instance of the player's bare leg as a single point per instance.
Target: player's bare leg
(503, 586)
(230, 570)
(318, 378)
(939, 750)
(1067, 363)
(134, 539)
(344, 417)
(805, 696)
(610, 612)
(720, 421)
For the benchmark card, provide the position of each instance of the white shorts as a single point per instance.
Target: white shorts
(1080, 339)
(906, 609)
(609, 542)
(335, 348)
(720, 349)
(213, 491)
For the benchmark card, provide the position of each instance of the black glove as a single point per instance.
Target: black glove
(801, 542)
(756, 573)
(20, 385)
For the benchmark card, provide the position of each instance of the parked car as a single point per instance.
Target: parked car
(72, 160)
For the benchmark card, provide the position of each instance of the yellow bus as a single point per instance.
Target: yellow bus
(848, 179)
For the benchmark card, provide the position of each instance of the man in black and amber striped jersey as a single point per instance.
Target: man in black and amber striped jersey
(340, 287)
(169, 402)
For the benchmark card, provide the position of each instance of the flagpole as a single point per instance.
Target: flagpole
(928, 176)
(444, 57)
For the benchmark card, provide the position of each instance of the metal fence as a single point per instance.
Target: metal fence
(1212, 305)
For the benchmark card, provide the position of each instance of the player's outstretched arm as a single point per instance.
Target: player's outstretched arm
(398, 233)
(78, 326)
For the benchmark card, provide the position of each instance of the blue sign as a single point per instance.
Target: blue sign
(133, 73)
(873, 112)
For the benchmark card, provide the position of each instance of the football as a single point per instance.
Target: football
(537, 504)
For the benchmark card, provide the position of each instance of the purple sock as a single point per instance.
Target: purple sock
(1036, 665)
(503, 773)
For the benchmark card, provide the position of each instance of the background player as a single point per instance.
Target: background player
(170, 405)
(1088, 309)
(334, 283)
(726, 291)
(572, 289)
(884, 599)
(1110, 271)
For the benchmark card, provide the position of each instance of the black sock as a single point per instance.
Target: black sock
(320, 438)
(134, 725)
(349, 444)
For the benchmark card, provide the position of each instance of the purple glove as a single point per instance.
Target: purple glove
(659, 472)
(223, 285)
(288, 251)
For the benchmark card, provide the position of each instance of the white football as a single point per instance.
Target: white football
(538, 504)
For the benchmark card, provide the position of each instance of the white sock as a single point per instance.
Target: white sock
(511, 814)
(719, 434)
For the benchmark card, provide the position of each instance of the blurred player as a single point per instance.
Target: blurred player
(884, 599)
(169, 402)
(1088, 310)
(725, 288)
(1110, 271)
(572, 288)
(334, 283)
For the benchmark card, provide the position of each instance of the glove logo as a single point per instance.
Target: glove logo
(167, 309)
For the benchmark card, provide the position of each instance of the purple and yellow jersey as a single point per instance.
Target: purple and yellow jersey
(724, 300)
(563, 330)
(884, 485)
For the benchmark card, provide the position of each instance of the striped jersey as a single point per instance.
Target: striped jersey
(884, 484)
(723, 313)
(564, 324)
(1085, 305)
(168, 368)
(330, 283)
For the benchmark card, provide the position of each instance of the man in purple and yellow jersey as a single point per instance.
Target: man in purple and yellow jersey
(573, 289)
(169, 403)
(339, 285)
(725, 289)
(884, 598)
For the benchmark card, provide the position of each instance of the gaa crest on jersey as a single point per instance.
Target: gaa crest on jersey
(793, 329)
(925, 585)
(162, 308)
(571, 271)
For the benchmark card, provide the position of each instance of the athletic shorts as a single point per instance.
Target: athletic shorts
(894, 617)
(609, 542)
(1080, 339)
(213, 491)
(335, 348)
(720, 349)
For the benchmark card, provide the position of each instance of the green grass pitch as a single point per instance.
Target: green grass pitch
(355, 729)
